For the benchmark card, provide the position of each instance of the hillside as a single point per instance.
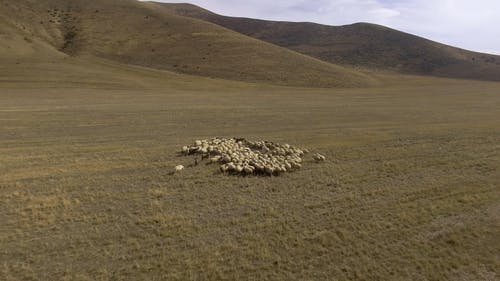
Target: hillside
(360, 44)
(138, 33)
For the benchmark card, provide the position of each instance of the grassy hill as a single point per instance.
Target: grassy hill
(133, 32)
(24, 34)
(360, 44)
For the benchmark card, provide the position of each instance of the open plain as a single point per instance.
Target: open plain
(409, 191)
(98, 97)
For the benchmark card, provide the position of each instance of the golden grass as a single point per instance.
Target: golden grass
(153, 37)
(409, 191)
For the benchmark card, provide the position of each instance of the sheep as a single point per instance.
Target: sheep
(231, 166)
(319, 158)
(239, 169)
(269, 170)
(179, 168)
(205, 156)
(224, 168)
(265, 149)
(248, 170)
(215, 159)
(241, 156)
(226, 158)
(295, 165)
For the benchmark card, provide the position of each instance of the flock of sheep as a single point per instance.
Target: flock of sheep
(243, 157)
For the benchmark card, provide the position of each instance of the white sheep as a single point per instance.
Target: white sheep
(319, 158)
(248, 170)
(179, 168)
(239, 169)
(246, 157)
(215, 159)
(224, 168)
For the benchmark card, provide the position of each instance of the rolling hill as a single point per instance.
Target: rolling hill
(144, 34)
(360, 45)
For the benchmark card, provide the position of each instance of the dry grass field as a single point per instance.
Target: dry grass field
(410, 189)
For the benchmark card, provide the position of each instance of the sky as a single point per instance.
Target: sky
(468, 24)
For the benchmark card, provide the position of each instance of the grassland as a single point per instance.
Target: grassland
(410, 190)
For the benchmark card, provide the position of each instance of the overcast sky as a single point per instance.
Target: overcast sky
(469, 24)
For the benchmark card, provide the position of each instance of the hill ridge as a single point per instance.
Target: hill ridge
(365, 45)
(153, 37)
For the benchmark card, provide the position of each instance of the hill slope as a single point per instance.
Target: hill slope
(139, 33)
(361, 44)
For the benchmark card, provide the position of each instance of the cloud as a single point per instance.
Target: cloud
(467, 24)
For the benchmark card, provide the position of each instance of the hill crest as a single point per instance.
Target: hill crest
(360, 45)
(146, 34)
